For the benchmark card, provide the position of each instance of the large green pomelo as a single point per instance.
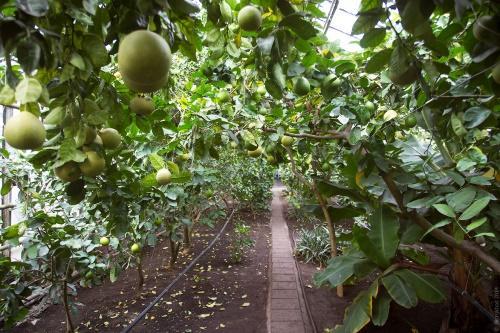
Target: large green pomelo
(141, 105)
(144, 60)
(249, 18)
(68, 172)
(93, 165)
(24, 131)
(110, 137)
(302, 86)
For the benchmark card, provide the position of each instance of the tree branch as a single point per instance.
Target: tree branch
(465, 245)
(333, 136)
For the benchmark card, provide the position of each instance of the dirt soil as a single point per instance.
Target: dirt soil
(328, 310)
(216, 296)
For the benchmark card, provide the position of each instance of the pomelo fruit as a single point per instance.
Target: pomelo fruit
(410, 121)
(223, 96)
(163, 176)
(301, 86)
(110, 137)
(104, 241)
(144, 60)
(370, 106)
(185, 156)
(249, 18)
(142, 105)
(93, 165)
(287, 140)
(135, 248)
(24, 131)
(68, 172)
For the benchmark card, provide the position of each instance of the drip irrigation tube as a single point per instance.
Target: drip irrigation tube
(174, 281)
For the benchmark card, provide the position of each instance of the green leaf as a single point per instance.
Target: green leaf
(278, 76)
(174, 168)
(378, 61)
(6, 186)
(384, 231)
(339, 269)
(372, 38)
(77, 61)
(424, 202)
(330, 189)
(302, 27)
(69, 152)
(35, 8)
(7, 95)
(461, 199)
(149, 180)
(475, 116)
(400, 291)
(476, 224)
(445, 210)
(356, 315)
(435, 226)
(28, 55)
(55, 116)
(381, 307)
(342, 213)
(96, 51)
(181, 177)
(457, 125)
(156, 161)
(475, 208)
(28, 90)
(365, 244)
(225, 10)
(427, 287)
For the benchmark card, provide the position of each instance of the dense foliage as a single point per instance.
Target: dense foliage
(407, 130)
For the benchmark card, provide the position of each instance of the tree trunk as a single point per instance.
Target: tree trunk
(331, 231)
(174, 252)
(186, 241)
(69, 322)
(140, 275)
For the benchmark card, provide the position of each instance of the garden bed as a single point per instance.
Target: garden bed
(327, 309)
(217, 295)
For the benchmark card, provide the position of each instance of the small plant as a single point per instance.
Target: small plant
(241, 242)
(313, 245)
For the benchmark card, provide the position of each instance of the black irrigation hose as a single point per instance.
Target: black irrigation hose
(174, 281)
(473, 301)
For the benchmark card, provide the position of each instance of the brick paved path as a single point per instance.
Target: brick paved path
(286, 309)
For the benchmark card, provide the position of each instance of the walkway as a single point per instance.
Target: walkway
(286, 309)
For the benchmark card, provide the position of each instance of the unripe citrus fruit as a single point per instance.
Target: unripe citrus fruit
(301, 86)
(110, 137)
(93, 165)
(370, 106)
(144, 60)
(249, 18)
(163, 176)
(142, 105)
(24, 131)
(271, 159)
(68, 172)
(410, 121)
(89, 275)
(233, 144)
(135, 248)
(261, 90)
(286, 140)
(104, 241)
(185, 156)
(255, 153)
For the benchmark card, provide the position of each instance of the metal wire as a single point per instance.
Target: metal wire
(174, 281)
